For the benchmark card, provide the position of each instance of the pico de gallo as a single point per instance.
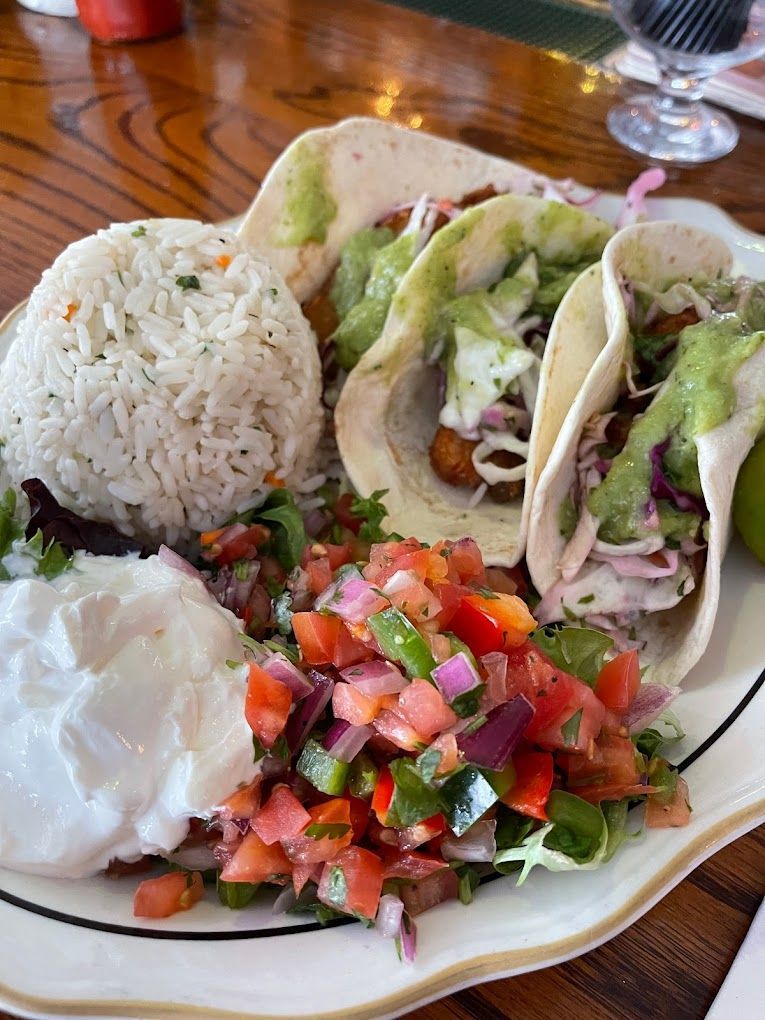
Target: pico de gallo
(415, 730)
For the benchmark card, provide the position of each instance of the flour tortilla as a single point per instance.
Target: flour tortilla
(657, 254)
(370, 167)
(388, 409)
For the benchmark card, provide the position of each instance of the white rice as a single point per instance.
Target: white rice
(158, 408)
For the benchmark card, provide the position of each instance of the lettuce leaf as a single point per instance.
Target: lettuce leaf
(578, 840)
(578, 650)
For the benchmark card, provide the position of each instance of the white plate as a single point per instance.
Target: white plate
(74, 948)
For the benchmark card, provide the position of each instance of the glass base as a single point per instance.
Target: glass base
(697, 136)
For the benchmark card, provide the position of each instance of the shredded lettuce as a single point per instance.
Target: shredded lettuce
(576, 839)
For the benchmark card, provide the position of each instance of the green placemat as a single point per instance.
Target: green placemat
(583, 33)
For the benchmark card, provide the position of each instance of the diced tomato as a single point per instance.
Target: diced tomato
(349, 650)
(319, 574)
(256, 862)
(350, 704)
(581, 700)
(304, 849)
(338, 555)
(359, 817)
(301, 873)
(531, 673)
(410, 865)
(389, 701)
(411, 596)
(533, 782)
(168, 894)
(423, 707)
(446, 743)
(422, 832)
(492, 625)
(343, 513)
(383, 554)
(424, 564)
(317, 635)
(674, 814)
(383, 794)
(494, 669)
(555, 695)
(466, 559)
(271, 568)
(619, 681)
(440, 648)
(324, 639)
(481, 633)
(436, 888)
(498, 579)
(613, 761)
(243, 546)
(610, 791)
(362, 878)
(450, 596)
(266, 705)
(395, 729)
(244, 803)
(280, 817)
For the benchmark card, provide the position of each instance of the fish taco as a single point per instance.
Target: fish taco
(631, 516)
(454, 409)
(345, 210)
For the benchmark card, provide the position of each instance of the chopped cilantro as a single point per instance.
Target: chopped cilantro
(188, 282)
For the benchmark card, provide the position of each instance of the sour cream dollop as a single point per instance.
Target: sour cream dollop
(120, 719)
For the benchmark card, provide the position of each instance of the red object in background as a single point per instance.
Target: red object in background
(112, 21)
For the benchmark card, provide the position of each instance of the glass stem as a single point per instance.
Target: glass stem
(677, 97)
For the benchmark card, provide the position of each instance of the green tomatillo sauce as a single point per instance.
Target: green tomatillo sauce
(698, 395)
(363, 322)
(309, 207)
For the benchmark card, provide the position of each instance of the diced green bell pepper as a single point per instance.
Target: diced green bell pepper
(400, 641)
(322, 770)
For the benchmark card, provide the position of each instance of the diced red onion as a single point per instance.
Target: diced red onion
(495, 664)
(389, 915)
(356, 600)
(314, 521)
(652, 520)
(476, 846)
(492, 744)
(195, 858)
(649, 702)
(408, 936)
(285, 900)
(170, 558)
(280, 668)
(639, 566)
(456, 676)
(344, 741)
(493, 417)
(634, 207)
(302, 720)
(273, 766)
(375, 678)
(662, 488)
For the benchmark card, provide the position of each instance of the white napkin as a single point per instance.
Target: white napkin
(741, 90)
(742, 995)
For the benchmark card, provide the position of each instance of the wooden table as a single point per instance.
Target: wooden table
(188, 126)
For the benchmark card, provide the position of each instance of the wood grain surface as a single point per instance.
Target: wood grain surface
(187, 126)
